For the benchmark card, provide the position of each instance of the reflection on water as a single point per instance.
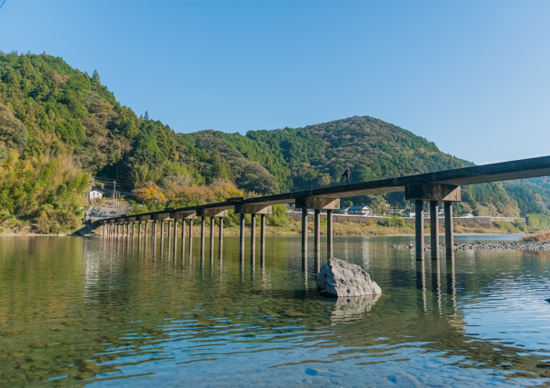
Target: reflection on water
(135, 312)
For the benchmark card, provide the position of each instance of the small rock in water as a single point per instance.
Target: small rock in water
(338, 278)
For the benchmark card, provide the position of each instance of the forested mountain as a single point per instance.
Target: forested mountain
(61, 130)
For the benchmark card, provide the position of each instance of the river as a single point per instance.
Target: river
(103, 312)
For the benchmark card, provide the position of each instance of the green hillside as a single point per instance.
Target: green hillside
(61, 131)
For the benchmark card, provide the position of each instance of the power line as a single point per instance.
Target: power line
(3, 2)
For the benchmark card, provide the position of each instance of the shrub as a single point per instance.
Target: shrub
(394, 222)
(538, 237)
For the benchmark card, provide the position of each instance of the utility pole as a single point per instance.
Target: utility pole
(114, 193)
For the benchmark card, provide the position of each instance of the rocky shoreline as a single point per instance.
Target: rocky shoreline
(518, 245)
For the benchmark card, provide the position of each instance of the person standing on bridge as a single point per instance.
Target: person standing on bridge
(347, 174)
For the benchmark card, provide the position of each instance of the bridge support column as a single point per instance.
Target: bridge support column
(419, 213)
(213, 213)
(139, 230)
(183, 216)
(434, 193)
(449, 234)
(175, 237)
(169, 234)
(317, 231)
(330, 234)
(183, 222)
(304, 231)
(220, 248)
(434, 229)
(212, 225)
(318, 204)
(252, 237)
(161, 230)
(262, 238)
(203, 224)
(190, 238)
(253, 210)
(241, 237)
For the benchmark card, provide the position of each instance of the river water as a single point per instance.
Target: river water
(103, 312)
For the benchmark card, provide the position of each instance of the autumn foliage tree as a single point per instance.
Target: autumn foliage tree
(150, 194)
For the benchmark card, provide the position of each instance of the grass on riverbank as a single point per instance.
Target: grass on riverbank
(294, 228)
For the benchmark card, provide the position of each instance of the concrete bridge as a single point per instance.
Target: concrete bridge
(437, 187)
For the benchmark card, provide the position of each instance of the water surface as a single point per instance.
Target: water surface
(117, 313)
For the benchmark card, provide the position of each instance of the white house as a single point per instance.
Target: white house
(95, 194)
(360, 209)
(343, 210)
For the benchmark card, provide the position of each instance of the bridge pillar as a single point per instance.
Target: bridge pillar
(317, 231)
(146, 227)
(434, 229)
(190, 238)
(139, 230)
(213, 213)
(318, 204)
(304, 231)
(252, 237)
(212, 225)
(449, 238)
(220, 248)
(241, 238)
(434, 193)
(252, 209)
(169, 234)
(175, 237)
(203, 224)
(419, 213)
(183, 222)
(330, 234)
(262, 239)
(183, 216)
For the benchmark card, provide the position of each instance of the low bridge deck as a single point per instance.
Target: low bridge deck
(442, 186)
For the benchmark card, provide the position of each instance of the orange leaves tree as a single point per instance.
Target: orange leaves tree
(217, 191)
(150, 194)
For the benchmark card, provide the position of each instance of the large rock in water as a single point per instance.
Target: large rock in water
(338, 278)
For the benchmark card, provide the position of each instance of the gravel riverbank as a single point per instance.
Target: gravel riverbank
(523, 246)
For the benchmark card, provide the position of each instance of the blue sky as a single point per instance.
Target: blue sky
(472, 76)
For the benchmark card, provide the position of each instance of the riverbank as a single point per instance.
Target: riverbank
(517, 245)
(294, 228)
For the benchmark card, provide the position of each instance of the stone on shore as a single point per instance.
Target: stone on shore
(338, 278)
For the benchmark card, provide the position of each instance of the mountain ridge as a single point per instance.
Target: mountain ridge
(54, 115)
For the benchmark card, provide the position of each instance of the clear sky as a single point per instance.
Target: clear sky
(472, 76)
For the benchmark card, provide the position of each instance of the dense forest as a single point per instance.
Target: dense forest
(62, 132)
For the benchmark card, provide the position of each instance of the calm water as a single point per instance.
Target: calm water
(109, 313)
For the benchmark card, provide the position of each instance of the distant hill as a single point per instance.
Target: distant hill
(61, 129)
